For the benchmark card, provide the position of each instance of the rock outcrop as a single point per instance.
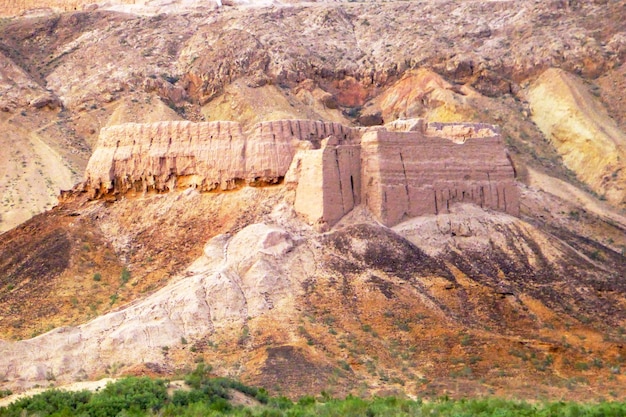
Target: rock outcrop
(405, 169)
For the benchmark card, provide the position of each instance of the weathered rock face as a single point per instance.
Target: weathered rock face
(404, 170)
(18, 90)
(169, 155)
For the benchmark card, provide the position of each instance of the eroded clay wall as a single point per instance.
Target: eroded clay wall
(398, 174)
(341, 168)
(306, 175)
(168, 155)
(156, 156)
(310, 130)
(327, 180)
(408, 174)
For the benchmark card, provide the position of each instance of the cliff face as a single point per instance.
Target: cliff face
(404, 170)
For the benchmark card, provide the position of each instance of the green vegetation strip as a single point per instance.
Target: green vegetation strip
(210, 397)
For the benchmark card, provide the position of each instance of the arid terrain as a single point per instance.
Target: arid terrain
(470, 302)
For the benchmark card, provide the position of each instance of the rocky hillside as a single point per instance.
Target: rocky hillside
(468, 303)
(471, 302)
(66, 76)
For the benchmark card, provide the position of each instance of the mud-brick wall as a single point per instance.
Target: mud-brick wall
(271, 146)
(408, 174)
(215, 155)
(162, 156)
(397, 174)
(328, 181)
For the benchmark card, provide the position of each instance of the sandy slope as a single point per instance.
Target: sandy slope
(32, 174)
(581, 130)
(278, 304)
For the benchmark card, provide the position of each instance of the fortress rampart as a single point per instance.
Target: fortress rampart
(207, 156)
(426, 170)
(404, 169)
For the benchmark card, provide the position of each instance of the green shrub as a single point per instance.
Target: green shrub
(139, 397)
(47, 403)
(125, 275)
(306, 400)
(281, 402)
(198, 376)
(133, 394)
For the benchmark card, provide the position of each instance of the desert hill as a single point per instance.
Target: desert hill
(64, 75)
(471, 301)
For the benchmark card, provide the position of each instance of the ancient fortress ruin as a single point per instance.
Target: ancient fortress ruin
(401, 170)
